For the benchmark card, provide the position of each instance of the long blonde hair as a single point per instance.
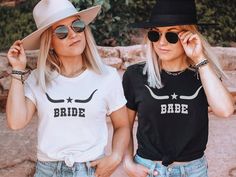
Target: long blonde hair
(153, 66)
(49, 62)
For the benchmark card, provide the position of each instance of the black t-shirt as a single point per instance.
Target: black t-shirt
(173, 120)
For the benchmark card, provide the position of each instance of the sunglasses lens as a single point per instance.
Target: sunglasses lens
(78, 26)
(172, 37)
(61, 32)
(153, 36)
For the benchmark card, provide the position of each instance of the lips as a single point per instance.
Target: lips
(163, 50)
(74, 43)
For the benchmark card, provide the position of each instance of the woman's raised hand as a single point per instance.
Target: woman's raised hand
(16, 56)
(192, 45)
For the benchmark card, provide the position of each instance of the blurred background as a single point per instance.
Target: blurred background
(111, 26)
(117, 48)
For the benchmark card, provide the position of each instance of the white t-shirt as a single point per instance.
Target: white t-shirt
(72, 114)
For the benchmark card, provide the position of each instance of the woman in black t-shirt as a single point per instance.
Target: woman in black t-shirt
(170, 93)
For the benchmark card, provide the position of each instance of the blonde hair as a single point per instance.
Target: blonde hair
(48, 60)
(153, 67)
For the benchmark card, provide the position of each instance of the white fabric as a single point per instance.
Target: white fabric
(72, 131)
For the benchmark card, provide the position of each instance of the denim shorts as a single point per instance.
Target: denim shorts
(195, 168)
(60, 169)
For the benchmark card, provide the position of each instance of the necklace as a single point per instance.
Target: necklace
(76, 73)
(174, 73)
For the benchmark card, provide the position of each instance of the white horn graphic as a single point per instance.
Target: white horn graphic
(156, 96)
(192, 96)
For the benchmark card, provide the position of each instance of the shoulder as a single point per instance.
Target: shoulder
(32, 78)
(110, 75)
(111, 70)
(135, 70)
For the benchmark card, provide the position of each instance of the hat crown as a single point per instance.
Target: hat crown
(170, 13)
(174, 7)
(52, 10)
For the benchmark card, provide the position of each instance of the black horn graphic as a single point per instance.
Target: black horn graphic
(54, 101)
(86, 100)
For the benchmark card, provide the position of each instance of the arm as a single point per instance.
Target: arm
(19, 109)
(219, 99)
(107, 165)
(131, 168)
(128, 159)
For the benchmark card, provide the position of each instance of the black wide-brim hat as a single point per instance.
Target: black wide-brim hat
(171, 13)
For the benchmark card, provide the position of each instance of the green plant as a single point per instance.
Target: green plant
(111, 26)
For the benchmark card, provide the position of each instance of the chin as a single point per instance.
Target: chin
(165, 57)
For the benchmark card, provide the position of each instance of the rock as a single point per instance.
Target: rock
(113, 61)
(118, 57)
(227, 56)
(106, 52)
(131, 55)
(17, 149)
(32, 57)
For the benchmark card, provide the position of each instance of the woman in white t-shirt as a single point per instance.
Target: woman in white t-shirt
(71, 92)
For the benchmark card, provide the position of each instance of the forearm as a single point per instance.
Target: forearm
(16, 106)
(128, 157)
(219, 99)
(120, 141)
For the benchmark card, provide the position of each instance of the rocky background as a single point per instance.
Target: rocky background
(18, 148)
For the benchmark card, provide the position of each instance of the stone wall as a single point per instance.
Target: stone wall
(18, 148)
(118, 57)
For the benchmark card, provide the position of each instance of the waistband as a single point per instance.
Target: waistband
(56, 168)
(177, 168)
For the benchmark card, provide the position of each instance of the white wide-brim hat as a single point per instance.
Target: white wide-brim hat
(48, 12)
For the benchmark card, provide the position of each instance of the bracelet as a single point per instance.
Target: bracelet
(19, 79)
(20, 72)
(200, 64)
(23, 75)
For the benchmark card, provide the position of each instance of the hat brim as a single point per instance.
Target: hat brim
(147, 25)
(32, 41)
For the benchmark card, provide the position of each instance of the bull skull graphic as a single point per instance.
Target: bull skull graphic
(76, 100)
(182, 97)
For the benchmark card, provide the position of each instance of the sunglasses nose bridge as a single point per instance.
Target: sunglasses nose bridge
(71, 31)
(162, 39)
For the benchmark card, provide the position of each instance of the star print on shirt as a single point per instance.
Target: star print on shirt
(174, 96)
(69, 100)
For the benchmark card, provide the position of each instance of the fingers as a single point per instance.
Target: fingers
(94, 163)
(145, 169)
(16, 47)
(185, 36)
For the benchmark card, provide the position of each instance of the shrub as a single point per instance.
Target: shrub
(111, 26)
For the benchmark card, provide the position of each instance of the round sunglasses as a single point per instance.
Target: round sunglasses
(62, 31)
(171, 37)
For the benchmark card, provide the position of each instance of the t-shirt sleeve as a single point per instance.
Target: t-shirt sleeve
(115, 97)
(129, 91)
(28, 88)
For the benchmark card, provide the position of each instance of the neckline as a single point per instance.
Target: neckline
(175, 73)
(65, 78)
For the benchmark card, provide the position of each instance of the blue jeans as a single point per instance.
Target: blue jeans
(60, 169)
(195, 168)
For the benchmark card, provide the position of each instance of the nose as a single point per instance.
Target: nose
(71, 33)
(162, 40)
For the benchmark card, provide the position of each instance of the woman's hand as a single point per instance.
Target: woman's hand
(16, 56)
(135, 170)
(106, 165)
(192, 45)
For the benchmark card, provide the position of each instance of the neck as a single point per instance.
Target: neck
(72, 66)
(177, 64)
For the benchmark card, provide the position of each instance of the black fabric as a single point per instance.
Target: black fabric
(171, 13)
(173, 120)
